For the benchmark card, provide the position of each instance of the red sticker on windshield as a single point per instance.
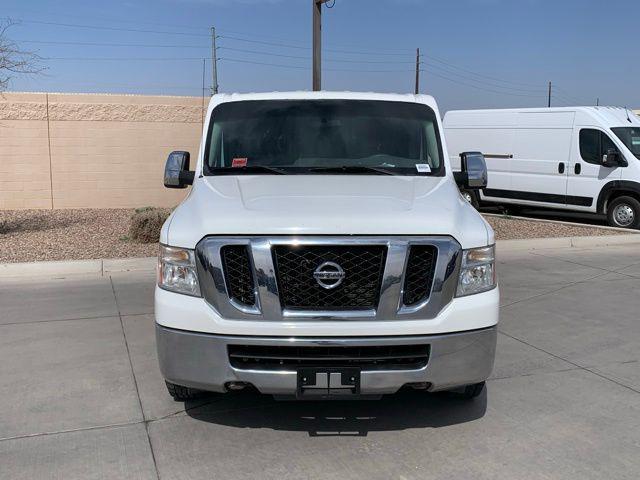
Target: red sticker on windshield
(239, 162)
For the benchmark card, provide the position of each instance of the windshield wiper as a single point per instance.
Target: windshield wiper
(356, 169)
(249, 169)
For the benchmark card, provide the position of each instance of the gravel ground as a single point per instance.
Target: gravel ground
(511, 228)
(37, 235)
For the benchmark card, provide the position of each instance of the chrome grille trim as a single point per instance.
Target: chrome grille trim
(268, 308)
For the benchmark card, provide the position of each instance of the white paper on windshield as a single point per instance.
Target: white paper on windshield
(423, 168)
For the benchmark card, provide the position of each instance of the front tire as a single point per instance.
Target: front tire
(182, 394)
(473, 391)
(624, 212)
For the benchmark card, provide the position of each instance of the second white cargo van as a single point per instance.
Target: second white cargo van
(575, 158)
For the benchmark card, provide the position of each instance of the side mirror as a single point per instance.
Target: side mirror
(613, 159)
(474, 171)
(176, 170)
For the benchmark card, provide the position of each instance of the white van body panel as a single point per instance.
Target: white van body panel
(326, 205)
(533, 155)
(190, 313)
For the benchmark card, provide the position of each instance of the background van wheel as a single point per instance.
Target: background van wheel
(471, 197)
(180, 393)
(624, 212)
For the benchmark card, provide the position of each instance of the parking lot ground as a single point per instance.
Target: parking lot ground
(81, 395)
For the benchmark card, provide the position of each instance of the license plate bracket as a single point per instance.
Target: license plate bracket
(328, 382)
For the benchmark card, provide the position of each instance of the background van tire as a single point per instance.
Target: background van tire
(624, 212)
(181, 394)
(471, 197)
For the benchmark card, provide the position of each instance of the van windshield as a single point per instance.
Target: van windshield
(630, 136)
(323, 137)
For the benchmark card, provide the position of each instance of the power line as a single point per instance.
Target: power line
(256, 52)
(300, 57)
(40, 12)
(300, 47)
(239, 39)
(573, 99)
(290, 42)
(99, 44)
(98, 27)
(484, 82)
(122, 59)
(299, 67)
(503, 90)
(483, 88)
(189, 27)
(269, 54)
(561, 101)
(481, 75)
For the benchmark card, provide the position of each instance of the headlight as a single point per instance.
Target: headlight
(478, 271)
(177, 270)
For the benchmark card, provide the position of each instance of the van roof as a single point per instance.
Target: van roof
(603, 114)
(324, 95)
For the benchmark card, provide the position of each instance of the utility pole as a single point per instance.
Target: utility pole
(214, 62)
(549, 100)
(598, 102)
(417, 90)
(317, 43)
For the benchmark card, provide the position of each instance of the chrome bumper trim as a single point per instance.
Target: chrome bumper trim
(201, 360)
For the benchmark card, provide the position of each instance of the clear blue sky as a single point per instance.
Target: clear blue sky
(478, 53)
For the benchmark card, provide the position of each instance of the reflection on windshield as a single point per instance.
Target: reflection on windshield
(630, 136)
(324, 136)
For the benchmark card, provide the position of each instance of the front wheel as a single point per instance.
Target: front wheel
(471, 197)
(468, 392)
(472, 391)
(182, 394)
(624, 212)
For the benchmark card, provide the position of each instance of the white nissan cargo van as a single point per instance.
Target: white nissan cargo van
(575, 158)
(325, 251)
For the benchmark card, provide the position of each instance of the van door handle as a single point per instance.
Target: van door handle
(577, 169)
(561, 167)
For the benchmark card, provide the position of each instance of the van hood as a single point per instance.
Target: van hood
(325, 205)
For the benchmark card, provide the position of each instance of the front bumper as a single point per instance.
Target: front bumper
(201, 360)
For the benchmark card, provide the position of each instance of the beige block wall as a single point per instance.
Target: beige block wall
(92, 151)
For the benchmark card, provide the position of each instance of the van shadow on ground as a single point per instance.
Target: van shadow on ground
(407, 409)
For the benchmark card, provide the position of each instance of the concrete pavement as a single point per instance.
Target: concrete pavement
(81, 395)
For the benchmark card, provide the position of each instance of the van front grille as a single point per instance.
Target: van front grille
(363, 267)
(374, 357)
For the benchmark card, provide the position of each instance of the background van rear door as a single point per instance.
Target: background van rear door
(489, 132)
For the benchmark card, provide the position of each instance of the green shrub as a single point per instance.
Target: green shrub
(145, 224)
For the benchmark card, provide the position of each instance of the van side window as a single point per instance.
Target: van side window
(594, 144)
